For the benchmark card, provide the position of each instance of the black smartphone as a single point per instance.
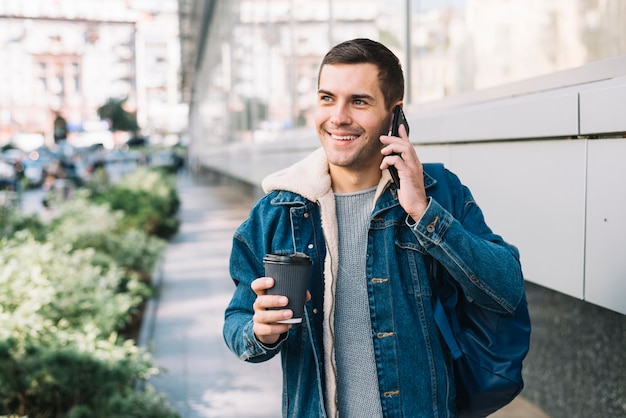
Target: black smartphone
(398, 119)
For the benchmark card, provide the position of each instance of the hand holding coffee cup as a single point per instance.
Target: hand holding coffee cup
(291, 279)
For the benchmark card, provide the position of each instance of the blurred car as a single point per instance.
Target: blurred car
(137, 141)
(164, 159)
(13, 154)
(34, 172)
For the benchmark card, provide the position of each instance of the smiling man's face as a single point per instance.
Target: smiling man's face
(351, 116)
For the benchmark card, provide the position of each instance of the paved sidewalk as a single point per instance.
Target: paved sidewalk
(184, 326)
(203, 378)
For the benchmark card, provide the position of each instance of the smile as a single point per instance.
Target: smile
(344, 137)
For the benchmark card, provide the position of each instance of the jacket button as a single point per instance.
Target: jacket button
(431, 226)
(310, 246)
(306, 215)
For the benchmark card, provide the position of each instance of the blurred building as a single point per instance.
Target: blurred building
(68, 57)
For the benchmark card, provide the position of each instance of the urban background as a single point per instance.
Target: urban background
(68, 58)
(91, 121)
(523, 98)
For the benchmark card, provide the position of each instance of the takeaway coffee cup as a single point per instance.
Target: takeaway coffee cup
(291, 279)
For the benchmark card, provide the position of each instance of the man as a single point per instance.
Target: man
(368, 345)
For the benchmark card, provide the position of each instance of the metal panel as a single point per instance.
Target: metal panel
(540, 115)
(533, 194)
(605, 270)
(603, 109)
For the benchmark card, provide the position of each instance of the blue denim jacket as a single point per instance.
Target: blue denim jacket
(414, 368)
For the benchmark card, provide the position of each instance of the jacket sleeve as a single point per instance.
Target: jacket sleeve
(245, 267)
(487, 268)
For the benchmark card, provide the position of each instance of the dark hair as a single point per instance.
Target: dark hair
(361, 51)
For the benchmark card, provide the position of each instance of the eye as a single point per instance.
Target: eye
(360, 102)
(325, 98)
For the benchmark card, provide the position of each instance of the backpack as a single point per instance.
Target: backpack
(487, 347)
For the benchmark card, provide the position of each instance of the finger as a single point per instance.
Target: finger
(263, 302)
(387, 139)
(271, 316)
(403, 133)
(395, 160)
(391, 146)
(260, 285)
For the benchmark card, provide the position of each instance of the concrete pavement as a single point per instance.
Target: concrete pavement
(183, 326)
(202, 377)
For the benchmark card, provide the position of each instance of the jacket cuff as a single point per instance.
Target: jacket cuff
(432, 226)
(255, 348)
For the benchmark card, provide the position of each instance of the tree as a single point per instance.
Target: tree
(120, 119)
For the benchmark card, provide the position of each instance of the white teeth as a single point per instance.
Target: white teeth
(344, 138)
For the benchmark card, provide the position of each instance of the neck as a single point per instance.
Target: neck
(347, 181)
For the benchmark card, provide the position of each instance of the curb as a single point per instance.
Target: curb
(146, 331)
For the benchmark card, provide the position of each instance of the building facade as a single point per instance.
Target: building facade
(69, 57)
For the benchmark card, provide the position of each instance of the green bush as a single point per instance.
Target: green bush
(12, 221)
(141, 404)
(48, 288)
(84, 224)
(69, 284)
(148, 199)
(70, 382)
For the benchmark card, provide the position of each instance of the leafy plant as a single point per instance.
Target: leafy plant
(44, 286)
(148, 199)
(12, 220)
(110, 236)
(69, 284)
(74, 381)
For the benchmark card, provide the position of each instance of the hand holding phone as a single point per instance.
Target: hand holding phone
(398, 119)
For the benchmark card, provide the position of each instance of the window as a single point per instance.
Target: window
(265, 53)
(477, 44)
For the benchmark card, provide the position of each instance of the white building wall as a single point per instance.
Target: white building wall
(100, 38)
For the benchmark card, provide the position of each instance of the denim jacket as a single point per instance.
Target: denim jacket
(414, 369)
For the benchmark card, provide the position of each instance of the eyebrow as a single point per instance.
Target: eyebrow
(353, 96)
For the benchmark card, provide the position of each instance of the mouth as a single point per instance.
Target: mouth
(343, 137)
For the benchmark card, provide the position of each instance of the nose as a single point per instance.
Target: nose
(340, 115)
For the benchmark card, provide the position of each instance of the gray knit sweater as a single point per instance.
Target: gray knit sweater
(357, 381)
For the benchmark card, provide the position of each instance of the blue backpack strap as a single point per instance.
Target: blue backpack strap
(441, 319)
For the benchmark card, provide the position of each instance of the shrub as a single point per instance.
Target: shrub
(46, 287)
(76, 381)
(148, 199)
(84, 224)
(12, 221)
(68, 285)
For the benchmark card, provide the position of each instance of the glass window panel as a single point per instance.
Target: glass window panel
(277, 45)
(261, 57)
(463, 45)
